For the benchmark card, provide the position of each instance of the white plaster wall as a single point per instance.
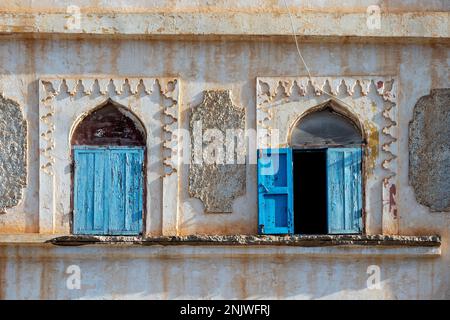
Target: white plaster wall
(189, 272)
(219, 65)
(139, 5)
(231, 65)
(400, 19)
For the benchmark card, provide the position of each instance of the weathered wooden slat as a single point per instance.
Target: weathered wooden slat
(79, 194)
(116, 209)
(89, 186)
(88, 205)
(99, 191)
(136, 190)
(344, 190)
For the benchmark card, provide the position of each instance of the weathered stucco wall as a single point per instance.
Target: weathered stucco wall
(220, 63)
(414, 19)
(419, 68)
(219, 272)
(217, 178)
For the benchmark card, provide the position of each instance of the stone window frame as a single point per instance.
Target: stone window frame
(64, 101)
(282, 101)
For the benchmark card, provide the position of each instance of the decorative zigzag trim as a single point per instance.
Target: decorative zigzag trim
(169, 89)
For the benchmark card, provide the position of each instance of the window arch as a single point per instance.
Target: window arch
(109, 125)
(325, 127)
(108, 181)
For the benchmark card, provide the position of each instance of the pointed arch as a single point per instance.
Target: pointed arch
(328, 124)
(109, 124)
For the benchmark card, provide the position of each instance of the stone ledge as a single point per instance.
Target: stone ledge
(222, 247)
(254, 240)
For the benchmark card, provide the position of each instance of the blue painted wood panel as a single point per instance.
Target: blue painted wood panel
(125, 212)
(108, 190)
(344, 190)
(89, 191)
(275, 191)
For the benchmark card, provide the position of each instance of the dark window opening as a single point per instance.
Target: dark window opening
(310, 191)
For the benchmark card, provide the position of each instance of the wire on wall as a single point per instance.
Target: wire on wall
(294, 35)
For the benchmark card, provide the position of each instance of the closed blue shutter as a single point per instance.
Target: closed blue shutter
(90, 189)
(108, 190)
(275, 198)
(344, 190)
(125, 208)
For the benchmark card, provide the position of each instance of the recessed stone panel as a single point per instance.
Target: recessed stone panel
(217, 172)
(429, 150)
(13, 146)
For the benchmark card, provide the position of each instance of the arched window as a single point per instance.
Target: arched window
(315, 185)
(108, 181)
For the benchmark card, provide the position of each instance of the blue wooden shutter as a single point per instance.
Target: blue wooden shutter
(275, 191)
(344, 190)
(108, 190)
(125, 205)
(90, 189)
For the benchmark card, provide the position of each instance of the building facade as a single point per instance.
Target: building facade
(183, 149)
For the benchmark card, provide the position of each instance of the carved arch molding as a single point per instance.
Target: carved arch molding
(372, 100)
(63, 102)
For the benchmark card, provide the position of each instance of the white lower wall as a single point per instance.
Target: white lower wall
(38, 271)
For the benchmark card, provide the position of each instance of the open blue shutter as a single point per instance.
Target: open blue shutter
(275, 191)
(90, 188)
(125, 205)
(344, 190)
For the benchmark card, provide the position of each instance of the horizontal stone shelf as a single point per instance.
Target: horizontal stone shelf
(254, 240)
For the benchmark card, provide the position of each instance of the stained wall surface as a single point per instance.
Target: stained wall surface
(220, 63)
(419, 68)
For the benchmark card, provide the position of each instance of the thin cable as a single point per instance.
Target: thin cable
(296, 40)
(294, 34)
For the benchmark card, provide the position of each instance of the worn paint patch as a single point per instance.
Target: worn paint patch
(392, 201)
(13, 146)
(429, 150)
(217, 173)
(372, 145)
